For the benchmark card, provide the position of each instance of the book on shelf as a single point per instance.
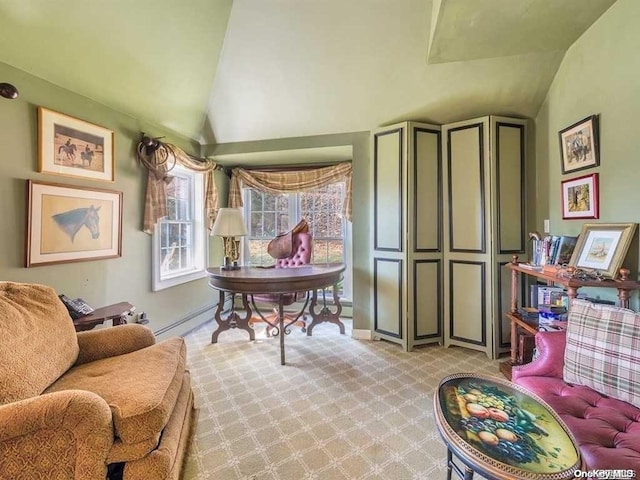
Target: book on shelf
(564, 249)
(554, 240)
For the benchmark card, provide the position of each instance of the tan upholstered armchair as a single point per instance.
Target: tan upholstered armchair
(103, 403)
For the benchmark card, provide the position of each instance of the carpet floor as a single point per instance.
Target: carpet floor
(339, 409)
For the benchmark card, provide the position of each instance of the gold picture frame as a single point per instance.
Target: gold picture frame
(74, 148)
(66, 223)
(602, 247)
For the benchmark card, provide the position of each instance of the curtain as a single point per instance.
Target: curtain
(285, 181)
(159, 164)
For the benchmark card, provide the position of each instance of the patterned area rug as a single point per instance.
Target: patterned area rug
(339, 409)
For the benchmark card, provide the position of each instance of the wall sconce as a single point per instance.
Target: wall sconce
(228, 225)
(8, 91)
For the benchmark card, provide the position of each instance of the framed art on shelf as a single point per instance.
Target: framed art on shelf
(72, 147)
(72, 224)
(579, 145)
(602, 247)
(580, 197)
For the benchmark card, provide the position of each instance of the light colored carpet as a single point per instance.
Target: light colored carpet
(340, 409)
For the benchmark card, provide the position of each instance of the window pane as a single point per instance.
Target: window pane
(178, 198)
(184, 258)
(174, 234)
(255, 230)
(183, 209)
(256, 200)
(165, 254)
(258, 252)
(171, 208)
(335, 251)
(185, 236)
(282, 204)
(269, 202)
(164, 235)
(283, 222)
(320, 251)
(269, 224)
(311, 220)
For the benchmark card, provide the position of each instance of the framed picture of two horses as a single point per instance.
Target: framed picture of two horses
(72, 147)
(579, 145)
(72, 224)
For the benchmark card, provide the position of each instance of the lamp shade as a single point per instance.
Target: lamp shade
(229, 223)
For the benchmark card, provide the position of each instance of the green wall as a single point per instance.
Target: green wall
(600, 74)
(99, 282)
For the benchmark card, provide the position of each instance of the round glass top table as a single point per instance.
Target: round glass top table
(501, 431)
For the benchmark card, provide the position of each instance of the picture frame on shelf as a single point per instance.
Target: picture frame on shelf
(66, 223)
(74, 148)
(580, 197)
(580, 145)
(602, 247)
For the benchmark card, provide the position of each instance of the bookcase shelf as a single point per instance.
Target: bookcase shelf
(624, 286)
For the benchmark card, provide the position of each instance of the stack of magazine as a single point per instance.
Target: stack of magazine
(552, 318)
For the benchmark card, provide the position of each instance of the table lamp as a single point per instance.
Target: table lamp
(228, 225)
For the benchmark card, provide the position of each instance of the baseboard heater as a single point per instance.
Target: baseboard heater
(190, 316)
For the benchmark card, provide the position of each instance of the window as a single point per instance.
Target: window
(179, 240)
(268, 214)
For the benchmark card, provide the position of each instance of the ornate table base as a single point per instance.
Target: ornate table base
(279, 281)
(325, 314)
(233, 320)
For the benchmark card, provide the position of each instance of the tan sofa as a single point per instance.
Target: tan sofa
(103, 403)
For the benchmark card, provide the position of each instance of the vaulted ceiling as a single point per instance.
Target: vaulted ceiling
(222, 71)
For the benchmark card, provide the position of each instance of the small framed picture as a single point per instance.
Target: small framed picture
(603, 247)
(72, 224)
(579, 145)
(580, 197)
(75, 148)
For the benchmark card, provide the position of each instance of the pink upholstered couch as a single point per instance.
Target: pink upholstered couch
(607, 430)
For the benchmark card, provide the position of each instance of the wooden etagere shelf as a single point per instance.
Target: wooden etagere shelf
(623, 284)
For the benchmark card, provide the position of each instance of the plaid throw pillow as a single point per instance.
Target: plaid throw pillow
(603, 345)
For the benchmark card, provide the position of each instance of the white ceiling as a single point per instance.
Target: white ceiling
(269, 69)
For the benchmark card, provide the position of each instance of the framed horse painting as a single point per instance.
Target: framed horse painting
(73, 147)
(579, 145)
(72, 224)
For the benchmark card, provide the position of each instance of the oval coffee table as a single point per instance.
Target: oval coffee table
(501, 431)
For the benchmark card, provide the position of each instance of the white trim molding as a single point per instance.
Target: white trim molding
(361, 334)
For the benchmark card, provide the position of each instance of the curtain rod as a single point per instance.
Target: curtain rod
(293, 166)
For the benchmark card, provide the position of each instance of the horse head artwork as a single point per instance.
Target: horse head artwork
(73, 220)
(68, 150)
